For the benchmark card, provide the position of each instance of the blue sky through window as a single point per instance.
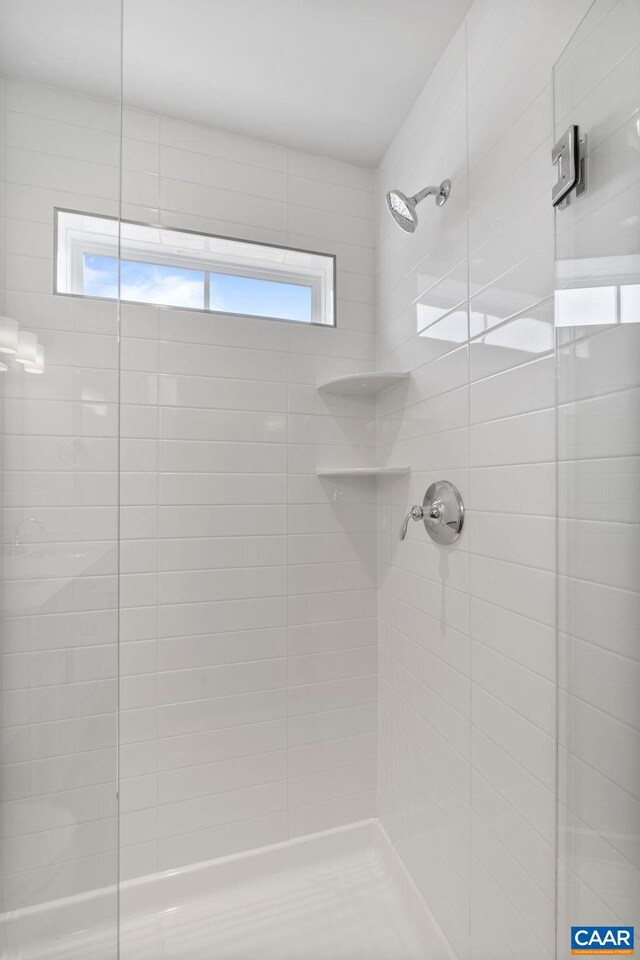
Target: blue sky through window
(183, 287)
(262, 298)
(143, 282)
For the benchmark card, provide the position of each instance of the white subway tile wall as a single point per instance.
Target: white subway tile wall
(467, 765)
(169, 459)
(247, 592)
(424, 690)
(59, 815)
(597, 84)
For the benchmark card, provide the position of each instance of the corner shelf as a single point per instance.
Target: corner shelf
(363, 384)
(363, 471)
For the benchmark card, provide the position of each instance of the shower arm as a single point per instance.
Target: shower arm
(428, 191)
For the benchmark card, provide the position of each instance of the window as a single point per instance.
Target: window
(97, 256)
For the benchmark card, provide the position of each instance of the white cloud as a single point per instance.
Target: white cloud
(168, 289)
(150, 285)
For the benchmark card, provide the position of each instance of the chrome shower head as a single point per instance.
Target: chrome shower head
(403, 208)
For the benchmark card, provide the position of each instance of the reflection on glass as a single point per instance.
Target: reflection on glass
(442, 298)
(630, 303)
(452, 328)
(479, 321)
(526, 335)
(598, 306)
(586, 306)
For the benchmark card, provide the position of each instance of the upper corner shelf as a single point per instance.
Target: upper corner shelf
(363, 384)
(346, 472)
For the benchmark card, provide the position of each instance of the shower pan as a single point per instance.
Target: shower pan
(253, 702)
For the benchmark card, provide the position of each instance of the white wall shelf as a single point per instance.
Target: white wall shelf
(363, 384)
(363, 471)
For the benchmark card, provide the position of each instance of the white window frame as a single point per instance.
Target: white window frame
(78, 234)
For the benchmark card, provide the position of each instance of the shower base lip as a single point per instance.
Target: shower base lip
(161, 891)
(155, 894)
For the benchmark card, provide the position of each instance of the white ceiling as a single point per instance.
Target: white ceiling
(333, 77)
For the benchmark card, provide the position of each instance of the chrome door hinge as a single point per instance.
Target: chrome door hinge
(569, 155)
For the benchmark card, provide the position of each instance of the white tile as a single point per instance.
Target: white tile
(525, 641)
(601, 364)
(516, 538)
(326, 225)
(316, 788)
(179, 423)
(528, 438)
(441, 298)
(204, 488)
(331, 171)
(224, 393)
(219, 521)
(335, 694)
(524, 590)
(179, 620)
(336, 665)
(342, 721)
(517, 341)
(327, 755)
(225, 775)
(517, 687)
(201, 168)
(219, 143)
(193, 586)
(604, 552)
(320, 637)
(598, 613)
(332, 813)
(519, 289)
(616, 34)
(184, 197)
(580, 482)
(200, 360)
(516, 735)
(211, 746)
(189, 326)
(602, 426)
(196, 456)
(330, 196)
(51, 103)
(201, 814)
(206, 650)
(525, 488)
(343, 605)
(214, 553)
(182, 686)
(52, 172)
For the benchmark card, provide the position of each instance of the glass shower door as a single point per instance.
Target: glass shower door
(597, 87)
(59, 429)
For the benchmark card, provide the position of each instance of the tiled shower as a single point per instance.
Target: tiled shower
(240, 717)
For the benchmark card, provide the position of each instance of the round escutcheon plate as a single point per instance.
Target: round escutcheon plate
(443, 515)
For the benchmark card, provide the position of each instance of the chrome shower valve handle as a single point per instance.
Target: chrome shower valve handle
(442, 513)
(416, 513)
